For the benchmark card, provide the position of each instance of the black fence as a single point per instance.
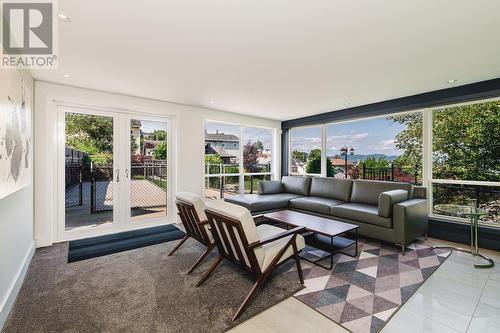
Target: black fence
(96, 181)
(394, 172)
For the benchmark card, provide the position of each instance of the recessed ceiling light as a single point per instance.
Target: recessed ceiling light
(66, 75)
(63, 17)
(212, 102)
(452, 81)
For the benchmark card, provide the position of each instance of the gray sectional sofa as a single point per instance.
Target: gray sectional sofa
(389, 211)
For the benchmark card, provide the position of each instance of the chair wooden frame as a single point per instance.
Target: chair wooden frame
(195, 228)
(235, 255)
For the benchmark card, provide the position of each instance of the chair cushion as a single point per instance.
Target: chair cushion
(333, 188)
(368, 191)
(315, 204)
(237, 213)
(271, 250)
(363, 213)
(197, 202)
(296, 184)
(265, 202)
(270, 187)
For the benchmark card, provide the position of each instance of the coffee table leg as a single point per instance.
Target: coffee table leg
(316, 262)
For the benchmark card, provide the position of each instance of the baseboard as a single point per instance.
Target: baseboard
(43, 242)
(9, 299)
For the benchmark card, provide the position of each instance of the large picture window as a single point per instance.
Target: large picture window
(466, 157)
(461, 159)
(381, 148)
(236, 158)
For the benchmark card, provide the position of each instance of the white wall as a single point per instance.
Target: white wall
(189, 142)
(16, 238)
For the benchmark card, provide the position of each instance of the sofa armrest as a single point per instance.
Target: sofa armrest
(387, 199)
(419, 192)
(410, 220)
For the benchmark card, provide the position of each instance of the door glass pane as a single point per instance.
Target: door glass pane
(305, 150)
(88, 170)
(148, 169)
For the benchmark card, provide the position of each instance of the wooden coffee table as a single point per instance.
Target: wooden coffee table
(321, 233)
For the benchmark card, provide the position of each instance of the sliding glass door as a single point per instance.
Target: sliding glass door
(115, 172)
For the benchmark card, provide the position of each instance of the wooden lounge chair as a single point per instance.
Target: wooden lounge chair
(190, 208)
(257, 249)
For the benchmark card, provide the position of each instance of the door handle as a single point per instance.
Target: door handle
(126, 173)
(117, 175)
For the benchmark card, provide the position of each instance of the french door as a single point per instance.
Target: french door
(113, 172)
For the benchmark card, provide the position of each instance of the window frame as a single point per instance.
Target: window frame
(431, 180)
(427, 153)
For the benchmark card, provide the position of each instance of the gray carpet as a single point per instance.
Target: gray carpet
(141, 290)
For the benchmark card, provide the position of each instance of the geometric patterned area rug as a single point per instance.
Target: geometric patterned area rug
(363, 293)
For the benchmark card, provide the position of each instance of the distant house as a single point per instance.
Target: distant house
(226, 145)
(226, 141)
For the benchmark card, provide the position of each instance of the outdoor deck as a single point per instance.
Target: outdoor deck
(148, 200)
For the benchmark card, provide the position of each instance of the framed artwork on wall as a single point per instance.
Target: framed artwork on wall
(15, 133)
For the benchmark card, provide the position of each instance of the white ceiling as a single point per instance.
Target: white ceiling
(277, 59)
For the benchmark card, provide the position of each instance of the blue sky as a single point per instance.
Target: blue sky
(368, 136)
(252, 134)
(151, 126)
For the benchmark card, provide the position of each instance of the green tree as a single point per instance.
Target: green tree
(313, 164)
(410, 139)
(159, 135)
(160, 151)
(92, 135)
(212, 164)
(259, 146)
(377, 163)
(299, 155)
(466, 141)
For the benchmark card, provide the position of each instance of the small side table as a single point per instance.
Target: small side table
(473, 213)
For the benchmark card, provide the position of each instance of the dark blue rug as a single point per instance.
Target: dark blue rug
(123, 241)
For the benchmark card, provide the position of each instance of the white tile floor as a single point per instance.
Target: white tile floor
(456, 298)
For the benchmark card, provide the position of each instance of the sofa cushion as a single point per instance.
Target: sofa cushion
(315, 204)
(296, 184)
(333, 188)
(270, 187)
(258, 203)
(363, 213)
(387, 199)
(368, 191)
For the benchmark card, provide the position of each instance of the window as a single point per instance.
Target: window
(382, 148)
(234, 171)
(466, 156)
(305, 150)
(461, 159)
